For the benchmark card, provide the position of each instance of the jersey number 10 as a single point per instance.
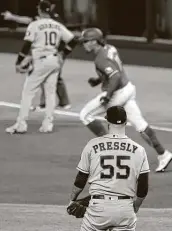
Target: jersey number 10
(50, 38)
(119, 164)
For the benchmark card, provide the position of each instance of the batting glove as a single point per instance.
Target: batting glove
(93, 82)
(104, 100)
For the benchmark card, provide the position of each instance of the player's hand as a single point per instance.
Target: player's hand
(21, 69)
(69, 206)
(136, 208)
(93, 82)
(137, 203)
(104, 100)
(7, 15)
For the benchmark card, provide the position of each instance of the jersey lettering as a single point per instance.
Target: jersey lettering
(123, 146)
(119, 167)
(48, 26)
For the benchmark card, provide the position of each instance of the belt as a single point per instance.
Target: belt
(111, 197)
(45, 56)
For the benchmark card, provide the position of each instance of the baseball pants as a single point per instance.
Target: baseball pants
(113, 215)
(44, 73)
(125, 97)
(61, 92)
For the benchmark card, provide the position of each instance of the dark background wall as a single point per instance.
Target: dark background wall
(130, 20)
(114, 17)
(120, 17)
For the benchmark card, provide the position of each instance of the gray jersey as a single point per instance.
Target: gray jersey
(45, 35)
(113, 164)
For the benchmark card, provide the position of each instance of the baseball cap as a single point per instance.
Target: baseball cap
(116, 115)
(45, 5)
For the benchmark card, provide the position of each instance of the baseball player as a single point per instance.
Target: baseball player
(42, 38)
(117, 171)
(117, 89)
(61, 90)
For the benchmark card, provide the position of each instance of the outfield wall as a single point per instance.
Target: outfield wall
(135, 51)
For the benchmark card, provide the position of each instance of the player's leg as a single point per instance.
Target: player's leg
(88, 114)
(31, 86)
(62, 93)
(42, 97)
(86, 224)
(41, 106)
(126, 218)
(94, 217)
(50, 99)
(148, 134)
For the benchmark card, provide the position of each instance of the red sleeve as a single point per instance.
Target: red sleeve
(106, 66)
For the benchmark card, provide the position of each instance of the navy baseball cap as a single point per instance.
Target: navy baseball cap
(116, 115)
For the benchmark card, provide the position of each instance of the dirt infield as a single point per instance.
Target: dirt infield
(40, 168)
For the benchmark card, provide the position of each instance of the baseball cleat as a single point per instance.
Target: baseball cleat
(46, 127)
(17, 128)
(66, 106)
(164, 161)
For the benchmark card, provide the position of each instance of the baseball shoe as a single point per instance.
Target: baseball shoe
(164, 160)
(17, 128)
(47, 126)
(39, 108)
(66, 106)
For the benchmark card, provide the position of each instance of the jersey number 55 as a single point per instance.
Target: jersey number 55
(118, 174)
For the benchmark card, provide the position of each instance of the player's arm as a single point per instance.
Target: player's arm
(70, 41)
(79, 184)
(68, 47)
(28, 39)
(142, 183)
(83, 173)
(113, 75)
(16, 18)
(142, 190)
(24, 52)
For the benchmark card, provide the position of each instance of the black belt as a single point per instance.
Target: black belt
(110, 197)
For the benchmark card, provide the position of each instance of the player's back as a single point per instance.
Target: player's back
(115, 165)
(45, 35)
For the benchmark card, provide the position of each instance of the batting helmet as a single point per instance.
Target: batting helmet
(45, 6)
(116, 115)
(92, 34)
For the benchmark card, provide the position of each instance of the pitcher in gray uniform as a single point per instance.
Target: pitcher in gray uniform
(117, 171)
(117, 89)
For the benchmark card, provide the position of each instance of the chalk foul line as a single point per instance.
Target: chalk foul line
(76, 114)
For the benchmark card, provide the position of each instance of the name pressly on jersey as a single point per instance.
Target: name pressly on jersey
(106, 146)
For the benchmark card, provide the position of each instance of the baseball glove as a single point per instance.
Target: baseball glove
(78, 208)
(25, 66)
